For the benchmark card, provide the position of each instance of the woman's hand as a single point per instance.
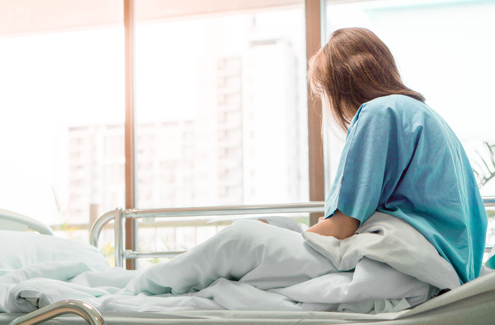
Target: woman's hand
(339, 226)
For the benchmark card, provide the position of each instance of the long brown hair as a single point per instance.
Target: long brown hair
(353, 68)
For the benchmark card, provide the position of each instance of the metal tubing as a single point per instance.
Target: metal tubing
(68, 306)
(489, 201)
(26, 221)
(119, 237)
(205, 211)
(132, 254)
(98, 225)
(227, 210)
(120, 215)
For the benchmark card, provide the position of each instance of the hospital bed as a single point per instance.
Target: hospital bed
(472, 303)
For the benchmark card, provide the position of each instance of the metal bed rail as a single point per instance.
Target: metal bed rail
(68, 306)
(149, 215)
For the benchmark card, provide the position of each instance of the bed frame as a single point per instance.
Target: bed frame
(18, 222)
(68, 306)
(90, 314)
(120, 216)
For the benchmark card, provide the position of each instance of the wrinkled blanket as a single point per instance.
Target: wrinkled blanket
(387, 266)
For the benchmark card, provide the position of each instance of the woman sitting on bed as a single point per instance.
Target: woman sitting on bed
(403, 180)
(400, 157)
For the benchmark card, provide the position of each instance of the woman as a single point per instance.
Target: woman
(400, 157)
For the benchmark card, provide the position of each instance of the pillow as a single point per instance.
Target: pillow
(19, 249)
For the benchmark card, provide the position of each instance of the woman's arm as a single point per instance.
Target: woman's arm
(339, 226)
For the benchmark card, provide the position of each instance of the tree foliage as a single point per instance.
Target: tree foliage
(484, 164)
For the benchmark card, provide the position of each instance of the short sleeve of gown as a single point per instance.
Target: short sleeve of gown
(375, 155)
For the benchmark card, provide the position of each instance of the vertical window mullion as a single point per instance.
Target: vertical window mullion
(315, 146)
(130, 225)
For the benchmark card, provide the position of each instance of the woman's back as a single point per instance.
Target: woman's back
(401, 158)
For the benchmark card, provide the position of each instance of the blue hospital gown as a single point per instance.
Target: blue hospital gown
(401, 158)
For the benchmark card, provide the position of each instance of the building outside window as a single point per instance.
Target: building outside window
(226, 97)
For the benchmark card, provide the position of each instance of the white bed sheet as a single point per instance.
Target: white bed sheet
(387, 267)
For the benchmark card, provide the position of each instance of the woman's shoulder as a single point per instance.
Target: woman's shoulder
(396, 107)
(401, 113)
(394, 102)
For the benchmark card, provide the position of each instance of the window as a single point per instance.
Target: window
(198, 79)
(220, 95)
(62, 84)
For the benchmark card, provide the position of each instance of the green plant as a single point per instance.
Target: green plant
(165, 243)
(61, 209)
(484, 164)
(70, 230)
(108, 251)
(62, 214)
(302, 221)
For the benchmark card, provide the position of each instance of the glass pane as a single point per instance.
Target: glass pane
(444, 50)
(221, 116)
(62, 115)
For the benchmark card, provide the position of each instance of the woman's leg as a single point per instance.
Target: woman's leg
(252, 252)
